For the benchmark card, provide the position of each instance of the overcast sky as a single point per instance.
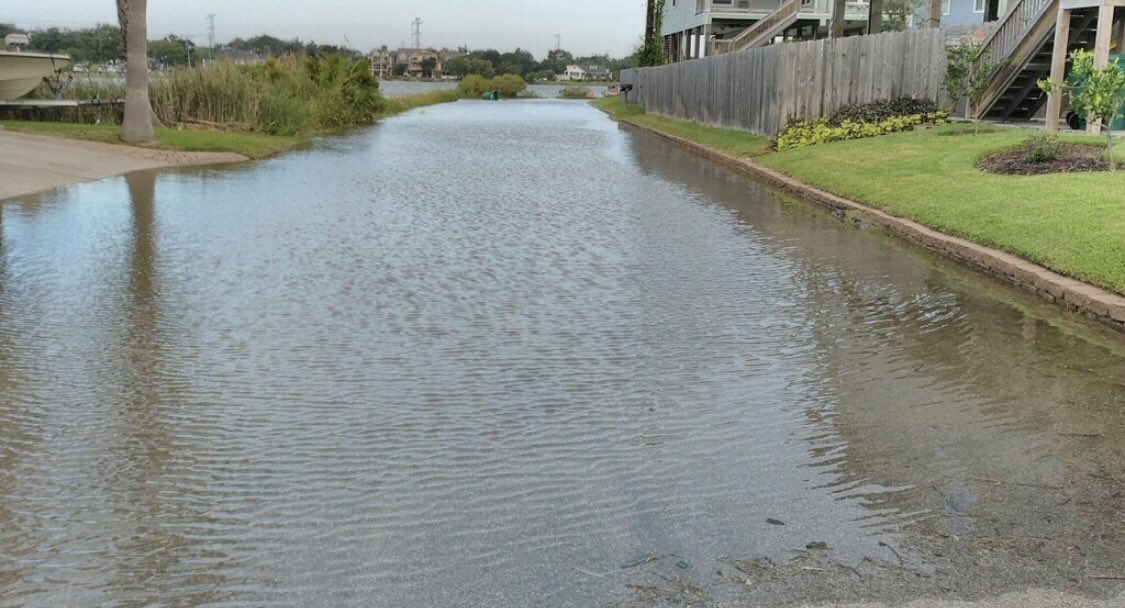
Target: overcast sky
(586, 26)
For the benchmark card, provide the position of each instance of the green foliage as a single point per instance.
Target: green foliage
(1042, 148)
(397, 105)
(283, 96)
(466, 65)
(883, 109)
(508, 85)
(474, 85)
(651, 51)
(574, 91)
(1095, 93)
(967, 74)
(862, 120)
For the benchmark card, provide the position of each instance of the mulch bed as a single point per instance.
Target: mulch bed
(1074, 158)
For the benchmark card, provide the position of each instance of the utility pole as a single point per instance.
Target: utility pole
(211, 37)
(416, 32)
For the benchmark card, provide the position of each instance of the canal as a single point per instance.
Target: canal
(510, 354)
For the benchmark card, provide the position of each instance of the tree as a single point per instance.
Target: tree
(1097, 94)
(652, 47)
(897, 14)
(429, 64)
(465, 65)
(137, 125)
(968, 75)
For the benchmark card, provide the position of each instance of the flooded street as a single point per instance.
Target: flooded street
(510, 354)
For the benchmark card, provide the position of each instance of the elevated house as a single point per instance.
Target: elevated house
(1023, 40)
(700, 28)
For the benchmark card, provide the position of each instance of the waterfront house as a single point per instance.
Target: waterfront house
(382, 62)
(699, 28)
(585, 72)
(414, 62)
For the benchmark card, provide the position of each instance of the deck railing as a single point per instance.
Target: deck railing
(763, 30)
(1012, 30)
(1012, 42)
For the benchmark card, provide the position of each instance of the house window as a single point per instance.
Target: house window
(700, 6)
(945, 7)
(978, 6)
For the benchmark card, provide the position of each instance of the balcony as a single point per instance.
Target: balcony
(755, 9)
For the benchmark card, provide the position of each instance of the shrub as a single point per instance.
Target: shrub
(509, 85)
(878, 111)
(801, 133)
(574, 91)
(474, 85)
(1042, 148)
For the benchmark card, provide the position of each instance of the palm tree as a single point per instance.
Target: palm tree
(137, 125)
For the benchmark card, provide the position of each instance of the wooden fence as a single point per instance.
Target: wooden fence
(760, 89)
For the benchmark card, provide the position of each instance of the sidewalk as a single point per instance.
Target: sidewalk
(33, 163)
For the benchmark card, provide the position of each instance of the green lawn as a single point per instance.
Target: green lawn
(735, 143)
(252, 145)
(1072, 223)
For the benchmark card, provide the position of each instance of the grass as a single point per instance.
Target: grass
(736, 143)
(248, 144)
(251, 145)
(398, 105)
(1072, 223)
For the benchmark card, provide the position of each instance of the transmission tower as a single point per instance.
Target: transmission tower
(211, 37)
(416, 32)
(558, 42)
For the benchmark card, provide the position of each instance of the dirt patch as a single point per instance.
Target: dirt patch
(1072, 159)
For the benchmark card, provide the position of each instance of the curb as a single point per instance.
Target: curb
(1071, 294)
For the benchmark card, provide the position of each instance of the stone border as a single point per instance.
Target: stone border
(1072, 294)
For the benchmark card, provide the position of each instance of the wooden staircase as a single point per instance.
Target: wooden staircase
(764, 30)
(1020, 52)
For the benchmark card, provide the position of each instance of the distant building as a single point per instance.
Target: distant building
(382, 62)
(414, 59)
(585, 72)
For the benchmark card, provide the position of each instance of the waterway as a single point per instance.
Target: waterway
(400, 88)
(511, 354)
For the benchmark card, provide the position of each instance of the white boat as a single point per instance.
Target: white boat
(21, 72)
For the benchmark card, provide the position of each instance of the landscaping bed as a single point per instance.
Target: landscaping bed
(1071, 158)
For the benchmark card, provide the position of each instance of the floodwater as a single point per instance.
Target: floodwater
(400, 88)
(509, 354)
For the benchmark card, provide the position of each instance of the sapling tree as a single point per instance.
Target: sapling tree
(967, 76)
(1096, 94)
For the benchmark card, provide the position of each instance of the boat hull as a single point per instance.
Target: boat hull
(22, 72)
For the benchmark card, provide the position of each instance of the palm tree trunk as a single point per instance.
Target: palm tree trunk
(137, 125)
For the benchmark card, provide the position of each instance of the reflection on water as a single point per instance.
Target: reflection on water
(477, 353)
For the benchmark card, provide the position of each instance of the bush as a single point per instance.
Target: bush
(879, 111)
(508, 85)
(474, 85)
(801, 133)
(1042, 148)
(574, 91)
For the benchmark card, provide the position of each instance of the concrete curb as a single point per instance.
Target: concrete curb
(1072, 294)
